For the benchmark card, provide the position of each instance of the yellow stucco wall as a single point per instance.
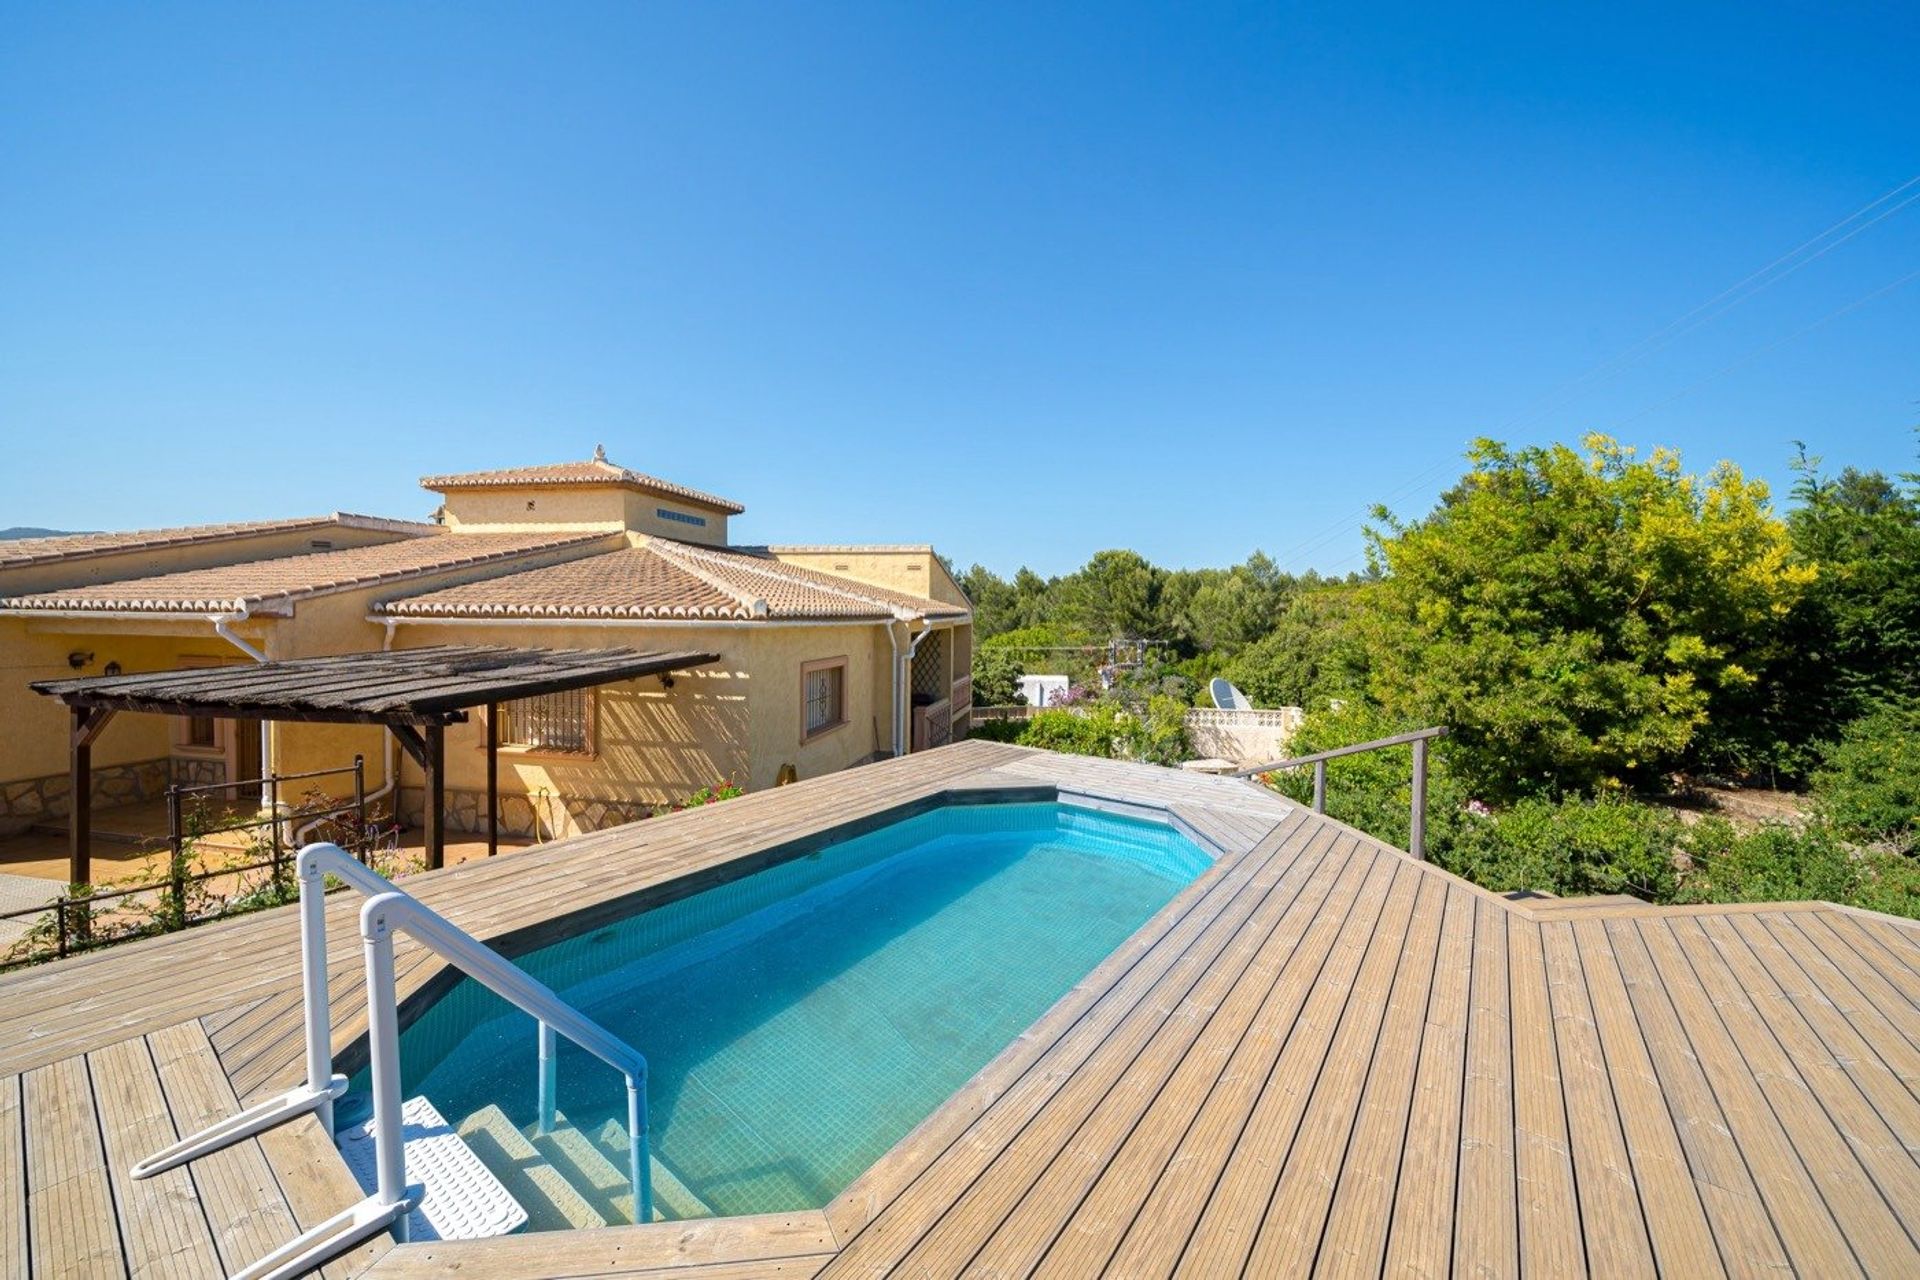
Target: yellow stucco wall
(34, 743)
(915, 570)
(738, 719)
(577, 507)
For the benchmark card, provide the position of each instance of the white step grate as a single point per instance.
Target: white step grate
(460, 1197)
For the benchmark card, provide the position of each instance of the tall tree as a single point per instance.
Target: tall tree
(1576, 618)
(1115, 594)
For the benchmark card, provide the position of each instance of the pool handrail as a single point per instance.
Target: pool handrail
(380, 918)
(387, 1208)
(313, 865)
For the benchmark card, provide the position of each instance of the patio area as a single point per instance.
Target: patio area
(1322, 1056)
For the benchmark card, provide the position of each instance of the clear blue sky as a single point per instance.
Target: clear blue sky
(1025, 281)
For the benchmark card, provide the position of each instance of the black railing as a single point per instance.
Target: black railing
(1418, 740)
(75, 913)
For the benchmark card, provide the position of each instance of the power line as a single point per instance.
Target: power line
(1733, 296)
(1765, 347)
(1747, 358)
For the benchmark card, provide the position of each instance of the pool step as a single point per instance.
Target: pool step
(547, 1194)
(672, 1198)
(597, 1166)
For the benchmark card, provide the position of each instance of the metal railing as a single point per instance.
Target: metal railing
(74, 916)
(389, 909)
(1418, 740)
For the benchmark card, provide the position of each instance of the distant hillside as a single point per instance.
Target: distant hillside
(25, 531)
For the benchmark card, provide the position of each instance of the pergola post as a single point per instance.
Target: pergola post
(87, 724)
(436, 800)
(493, 779)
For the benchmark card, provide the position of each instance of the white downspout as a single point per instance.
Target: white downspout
(901, 738)
(223, 627)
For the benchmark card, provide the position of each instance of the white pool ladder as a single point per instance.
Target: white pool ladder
(389, 909)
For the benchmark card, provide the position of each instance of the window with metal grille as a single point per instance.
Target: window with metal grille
(823, 690)
(558, 722)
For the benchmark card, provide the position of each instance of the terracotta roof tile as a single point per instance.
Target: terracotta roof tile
(272, 586)
(629, 583)
(665, 579)
(806, 592)
(592, 471)
(70, 546)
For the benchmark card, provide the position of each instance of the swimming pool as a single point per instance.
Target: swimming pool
(799, 1021)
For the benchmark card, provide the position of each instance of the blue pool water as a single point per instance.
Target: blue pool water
(800, 1021)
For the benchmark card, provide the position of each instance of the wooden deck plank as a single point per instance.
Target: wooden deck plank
(1835, 1004)
(1806, 1225)
(1748, 1240)
(1547, 1201)
(244, 1206)
(1486, 1236)
(1231, 1219)
(1870, 1225)
(316, 1185)
(1420, 1220)
(1611, 1216)
(1855, 956)
(1367, 1165)
(71, 1228)
(1173, 1190)
(1874, 950)
(163, 1226)
(13, 1180)
(1101, 1046)
(1669, 1198)
(1181, 1060)
(776, 1244)
(1878, 1116)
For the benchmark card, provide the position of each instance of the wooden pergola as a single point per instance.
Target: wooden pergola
(414, 693)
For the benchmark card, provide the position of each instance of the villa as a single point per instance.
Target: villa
(820, 657)
(967, 1009)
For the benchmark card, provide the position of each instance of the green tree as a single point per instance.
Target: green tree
(1856, 632)
(996, 676)
(1868, 786)
(1115, 594)
(996, 605)
(1576, 618)
(1313, 651)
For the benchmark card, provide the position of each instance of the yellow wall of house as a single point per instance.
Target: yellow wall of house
(35, 742)
(915, 570)
(737, 720)
(33, 578)
(643, 516)
(586, 506)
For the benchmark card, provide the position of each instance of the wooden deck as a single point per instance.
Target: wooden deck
(1321, 1056)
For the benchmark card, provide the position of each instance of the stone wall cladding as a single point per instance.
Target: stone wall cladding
(194, 771)
(36, 799)
(556, 816)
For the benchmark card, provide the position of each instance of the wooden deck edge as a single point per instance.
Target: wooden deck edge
(659, 1246)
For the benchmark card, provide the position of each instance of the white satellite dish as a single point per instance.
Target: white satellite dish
(1226, 697)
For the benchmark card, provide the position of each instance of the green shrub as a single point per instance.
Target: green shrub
(1157, 732)
(996, 676)
(1778, 863)
(1568, 847)
(1869, 785)
(1088, 731)
(998, 730)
